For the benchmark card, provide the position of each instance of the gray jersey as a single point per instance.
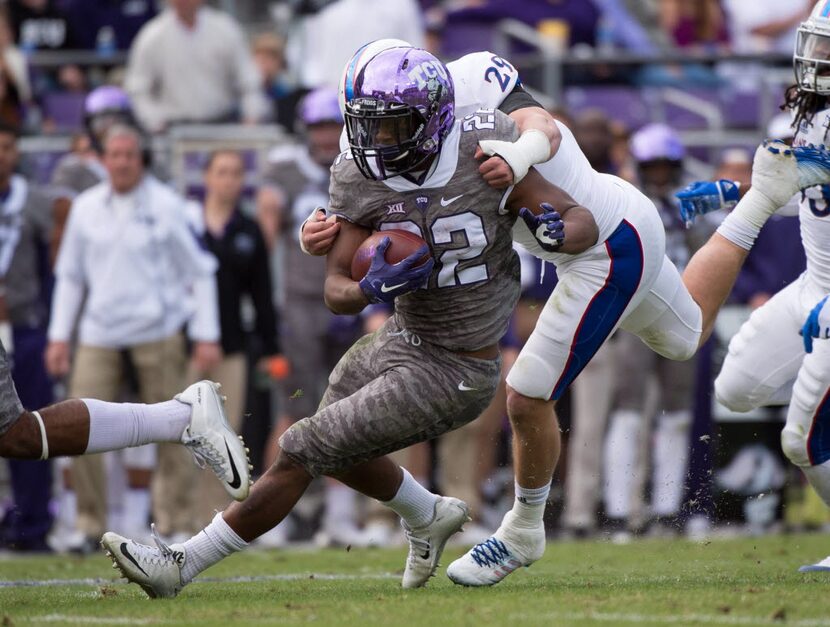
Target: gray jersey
(304, 186)
(10, 405)
(474, 286)
(25, 231)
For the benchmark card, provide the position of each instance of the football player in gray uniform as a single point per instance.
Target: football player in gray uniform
(434, 366)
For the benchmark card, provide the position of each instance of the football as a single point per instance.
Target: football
(403, 243)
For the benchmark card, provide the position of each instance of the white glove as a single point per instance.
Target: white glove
(532, 147)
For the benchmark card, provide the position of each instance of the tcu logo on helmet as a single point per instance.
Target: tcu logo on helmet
(425, 71)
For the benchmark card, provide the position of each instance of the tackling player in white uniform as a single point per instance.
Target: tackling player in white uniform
(767, 363)
(625, 279)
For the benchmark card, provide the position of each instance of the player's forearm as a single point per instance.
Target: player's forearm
(536, 118)
(581, 231)
(344, 296)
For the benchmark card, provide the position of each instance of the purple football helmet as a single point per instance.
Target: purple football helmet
(106, 99)
(320, 106)
(400, 106)
(656, 142)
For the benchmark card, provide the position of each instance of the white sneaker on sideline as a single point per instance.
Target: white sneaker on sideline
(212, 441)
(488, 562)
(427, 543)
(158, 569)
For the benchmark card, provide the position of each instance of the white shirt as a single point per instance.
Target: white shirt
(329, 38)
(746, 15)
(176, 73)
(139, 266)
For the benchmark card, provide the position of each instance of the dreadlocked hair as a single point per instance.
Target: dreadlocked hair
(805, 104)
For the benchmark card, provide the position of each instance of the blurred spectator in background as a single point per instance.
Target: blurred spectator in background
(26, 221)
(40, 25)
(698, 24)
(279, 89)
(567, 23)
(325, 41)
(192, 64)
(765, 25)
(659, 154)
(236, 242)
(312, 338)
(81, 168)
(593, 388)
(13, 61)
(107, 25)
(130, 268)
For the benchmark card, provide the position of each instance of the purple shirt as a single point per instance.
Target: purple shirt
(581, 15)
(125, 17)
(776, 260)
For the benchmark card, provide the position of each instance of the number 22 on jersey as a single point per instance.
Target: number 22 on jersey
(471, 227)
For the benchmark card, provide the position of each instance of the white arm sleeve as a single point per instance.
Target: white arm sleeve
(204, 325)
(70, 280)
(66, 305)
(140, 82)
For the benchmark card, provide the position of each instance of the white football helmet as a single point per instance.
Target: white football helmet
(361, 58)
(812, 51)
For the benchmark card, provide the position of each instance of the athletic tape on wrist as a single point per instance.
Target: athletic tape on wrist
(44, 451)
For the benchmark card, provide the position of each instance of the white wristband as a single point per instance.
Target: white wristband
(532, 147)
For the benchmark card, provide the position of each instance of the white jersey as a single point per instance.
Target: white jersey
(607, 197)
(814, 209)
(482, 80)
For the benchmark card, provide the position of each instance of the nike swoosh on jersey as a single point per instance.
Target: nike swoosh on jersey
(448, 202)
(465, 388)
(126, 554)
(388, 288)
(236, 481)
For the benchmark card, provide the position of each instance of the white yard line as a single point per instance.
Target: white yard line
(663, 619)
(97, 581)
(92, 620)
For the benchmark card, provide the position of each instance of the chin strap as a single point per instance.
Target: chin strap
(44, 451)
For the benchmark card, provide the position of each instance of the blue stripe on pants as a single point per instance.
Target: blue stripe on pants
(818, 441)
(625, 251)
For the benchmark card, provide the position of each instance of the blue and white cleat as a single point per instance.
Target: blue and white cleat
(702, 197)
(819, 567)
(488, 562)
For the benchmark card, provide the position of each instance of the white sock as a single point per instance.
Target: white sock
(671, 460)
(413, 502)
(137, 509)
(745, 221)
(115, 426)
(210, 546)
(529, 505)
(67, 509)
(620, 465)
(340, 506)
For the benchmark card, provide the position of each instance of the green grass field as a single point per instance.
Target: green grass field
(722, 582)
